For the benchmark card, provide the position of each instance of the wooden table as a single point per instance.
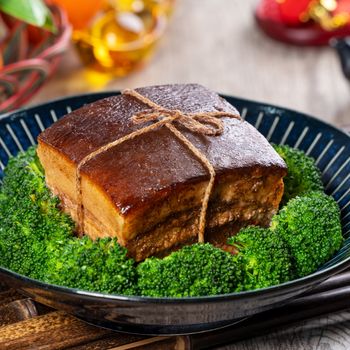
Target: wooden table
(216, 43)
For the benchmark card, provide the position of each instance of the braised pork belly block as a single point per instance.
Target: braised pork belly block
(148, 191)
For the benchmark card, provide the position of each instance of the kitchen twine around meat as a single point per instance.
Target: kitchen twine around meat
(205, 123)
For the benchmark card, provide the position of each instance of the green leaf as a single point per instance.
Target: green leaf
(34, 12)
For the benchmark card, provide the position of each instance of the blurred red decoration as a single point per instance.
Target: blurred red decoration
(304, 22)
(291, 10)
(29, 56)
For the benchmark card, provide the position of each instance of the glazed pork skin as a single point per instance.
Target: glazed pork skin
(148, 191)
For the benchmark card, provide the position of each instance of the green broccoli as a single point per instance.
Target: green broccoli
(36, 237)
(37, 240)
(263, 258)
(311, 227)
(28, 216)
(303, 174)
(100, 266)
(196, 270)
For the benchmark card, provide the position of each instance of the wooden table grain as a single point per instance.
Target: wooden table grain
(216, 43)
(331, 332)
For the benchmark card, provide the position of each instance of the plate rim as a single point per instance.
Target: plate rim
(110, 93)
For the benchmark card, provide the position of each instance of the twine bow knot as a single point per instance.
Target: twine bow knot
(201, 123)
(205, 123)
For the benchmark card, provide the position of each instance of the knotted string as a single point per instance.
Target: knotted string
(205, 123)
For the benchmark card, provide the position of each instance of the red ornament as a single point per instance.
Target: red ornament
(304, 22)
(292, 11)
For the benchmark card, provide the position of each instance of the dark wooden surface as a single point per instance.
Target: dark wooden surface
(27, 325)
(331, 332)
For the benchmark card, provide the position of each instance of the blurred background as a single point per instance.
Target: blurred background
(215, 43)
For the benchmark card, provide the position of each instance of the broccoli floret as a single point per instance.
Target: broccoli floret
(303, 174)
(100, 265)
(196, 270)
(28, 216)
(263, 258)
(311, 227)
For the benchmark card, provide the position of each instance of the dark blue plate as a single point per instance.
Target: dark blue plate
(328, 145)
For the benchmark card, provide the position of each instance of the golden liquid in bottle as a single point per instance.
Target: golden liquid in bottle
(122, 38)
